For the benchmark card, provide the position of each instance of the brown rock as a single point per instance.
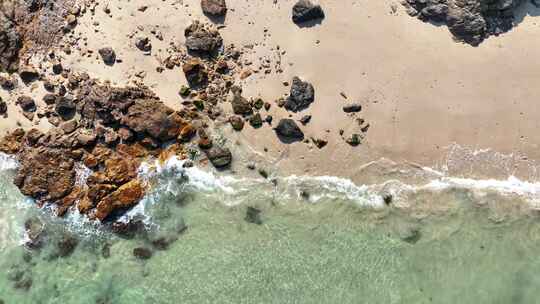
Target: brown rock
(152, 117)
(195, 71)
(68, 201)
(120, 170)
(216, 8)
(236, 122)
(127, 196)
(12, 142)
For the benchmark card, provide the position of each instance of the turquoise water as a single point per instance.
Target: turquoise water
(330, 247)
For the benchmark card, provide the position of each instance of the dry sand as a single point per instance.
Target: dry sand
(420, 90)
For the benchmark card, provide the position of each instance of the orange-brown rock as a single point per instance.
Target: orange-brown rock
(120, 170)
(12, 142)
(124, 198)
(85, 204)
(68, 201)
(45, 174)
(186, 133)
(134, 151)
(90, 161)
(97, 192)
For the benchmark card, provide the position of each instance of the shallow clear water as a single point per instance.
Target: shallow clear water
(339, 244)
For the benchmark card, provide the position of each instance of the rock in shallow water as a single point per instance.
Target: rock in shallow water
(142, 253)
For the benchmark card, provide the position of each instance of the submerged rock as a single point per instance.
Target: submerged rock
(301, 96)
(142, 253)
(35, 230)
(253, 215)
(305, 10)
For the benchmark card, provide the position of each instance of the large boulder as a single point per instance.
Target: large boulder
(305, 10)
(301, 96)
(219, 157)
(45, 174)
(470, 21)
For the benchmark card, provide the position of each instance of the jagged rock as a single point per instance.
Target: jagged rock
(214, 7)
(289, 130)
(107, 55)
(10, 40)
(86, 137)
(352, 108)
(301, 96)
(69, 126)
(120, 170)
(202, 39)
(33, 136)
(45, 174)
(195, 71)
(12, 142)
(470, 21)
(319, 143)
(305, 10)
(256, 120)
(305, 119)
(122, 199)
(152, 117)
(219, 157)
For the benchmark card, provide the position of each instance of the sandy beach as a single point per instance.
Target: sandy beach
(421, 91)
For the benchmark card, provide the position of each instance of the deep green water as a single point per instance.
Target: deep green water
(332, 251)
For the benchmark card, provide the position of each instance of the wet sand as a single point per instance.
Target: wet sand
(420, 90)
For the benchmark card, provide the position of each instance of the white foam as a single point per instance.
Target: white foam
(8, 162)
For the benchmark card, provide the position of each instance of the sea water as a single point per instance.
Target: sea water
(320, 240)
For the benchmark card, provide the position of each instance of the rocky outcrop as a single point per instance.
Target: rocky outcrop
(470, 21)
(124, 198)
(10, 39)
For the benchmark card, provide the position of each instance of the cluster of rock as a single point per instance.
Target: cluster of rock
(28, 26)
(470, 21)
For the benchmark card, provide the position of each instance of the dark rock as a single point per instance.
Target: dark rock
(69, 127)
(470, 21)
(7, 83)
(26, 103)
(66, 245)
(256, 120)
(108, 55)
(289, 130)
(319, 143)
(214, 7)
(305, 10)
(130, 229)
(28, 74)
(65, 108)
(411, 236)
(49, 99)
(143, 44)
(301, 96)
(3, 107)
(219, 157)
(305, 119)
(269, 119)
(352, 108)
(253, 216)
(57, 68)
(354, 140)
(202, 39)
(142, 253)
